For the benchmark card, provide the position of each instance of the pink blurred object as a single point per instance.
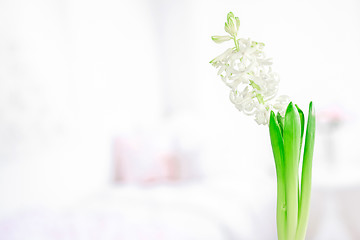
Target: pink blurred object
(147, 159)
(333, 115)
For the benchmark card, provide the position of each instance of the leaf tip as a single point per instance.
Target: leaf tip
(289, 108)
(311, 109)
(272, 114)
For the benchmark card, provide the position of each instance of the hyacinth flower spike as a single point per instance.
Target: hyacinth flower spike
(253, 85)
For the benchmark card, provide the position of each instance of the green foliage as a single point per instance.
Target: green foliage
(278, 151)
(280, 120)
(286, 135)
(304, 204)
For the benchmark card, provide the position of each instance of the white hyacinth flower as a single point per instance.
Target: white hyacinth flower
(247, 71)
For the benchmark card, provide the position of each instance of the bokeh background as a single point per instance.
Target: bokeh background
(113, 124)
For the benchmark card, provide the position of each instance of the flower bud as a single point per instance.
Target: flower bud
(231, 25)
(220, 39)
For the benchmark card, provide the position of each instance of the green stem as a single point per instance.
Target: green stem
(236, 44)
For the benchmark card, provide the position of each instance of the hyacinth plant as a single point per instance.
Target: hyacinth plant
(253, 85)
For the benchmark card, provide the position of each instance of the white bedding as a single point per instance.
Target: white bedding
(168, 212)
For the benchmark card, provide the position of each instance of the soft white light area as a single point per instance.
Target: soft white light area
(76, 74)
(72, 75)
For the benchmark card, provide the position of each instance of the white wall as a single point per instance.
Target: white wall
(73, 74)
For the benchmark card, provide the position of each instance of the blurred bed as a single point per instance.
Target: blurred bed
(158, 193)
(185, 211)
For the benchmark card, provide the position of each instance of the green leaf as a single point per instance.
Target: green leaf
(302, 119)
(291, 136)
(278, 151)
(304, 204)
(301, 114)
(280, 120)
(277, 144)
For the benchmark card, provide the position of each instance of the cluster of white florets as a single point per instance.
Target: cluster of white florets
(247, 71)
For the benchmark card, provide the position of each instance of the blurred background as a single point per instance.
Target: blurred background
(113, 124)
